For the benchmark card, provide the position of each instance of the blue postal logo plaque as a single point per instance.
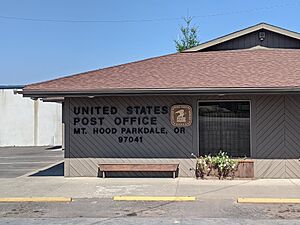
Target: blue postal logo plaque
(181, 115)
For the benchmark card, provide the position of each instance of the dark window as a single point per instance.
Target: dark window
(224, 126)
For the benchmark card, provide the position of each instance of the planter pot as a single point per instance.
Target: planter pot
(245, 169)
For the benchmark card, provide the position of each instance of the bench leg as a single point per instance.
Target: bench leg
(174, 174)
(103, 174)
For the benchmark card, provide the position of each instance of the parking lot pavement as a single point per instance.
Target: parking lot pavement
(145, 221)
(106, 211)
(18, 161)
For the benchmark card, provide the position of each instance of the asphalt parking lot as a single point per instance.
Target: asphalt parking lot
(19, 161)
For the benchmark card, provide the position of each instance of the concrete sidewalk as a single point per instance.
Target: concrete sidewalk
(107, 188)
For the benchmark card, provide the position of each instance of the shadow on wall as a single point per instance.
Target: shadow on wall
(56, 170)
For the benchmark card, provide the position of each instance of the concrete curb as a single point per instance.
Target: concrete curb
(269, 200)
(37, 199)
(153, 198)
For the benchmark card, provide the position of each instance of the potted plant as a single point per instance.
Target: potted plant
(223, 166)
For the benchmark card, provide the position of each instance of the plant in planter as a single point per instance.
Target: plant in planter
(224, 165)
(208, 160)
(201, 166)
(221, 164)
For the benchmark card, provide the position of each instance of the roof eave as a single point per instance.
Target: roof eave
(156, 91)
(12, 86)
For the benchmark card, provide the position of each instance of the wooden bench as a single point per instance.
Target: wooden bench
(132, 167)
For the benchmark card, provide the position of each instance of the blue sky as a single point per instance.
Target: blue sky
(33, 51)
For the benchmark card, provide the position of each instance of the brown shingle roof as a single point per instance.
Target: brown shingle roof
(252, 68)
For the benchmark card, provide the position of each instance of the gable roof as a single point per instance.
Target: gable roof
(235, 71)
(244, 32)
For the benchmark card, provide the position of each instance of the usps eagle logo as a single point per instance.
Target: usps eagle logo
(181, 115)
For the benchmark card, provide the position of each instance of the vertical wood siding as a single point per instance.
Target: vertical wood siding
(272, 40)
(275, 136)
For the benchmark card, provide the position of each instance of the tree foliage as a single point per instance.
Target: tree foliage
(188, 37)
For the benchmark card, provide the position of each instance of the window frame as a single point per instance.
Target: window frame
(225, 100)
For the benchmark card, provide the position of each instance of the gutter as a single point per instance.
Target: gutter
(174, 91)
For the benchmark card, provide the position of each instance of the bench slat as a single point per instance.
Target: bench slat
(138, 167)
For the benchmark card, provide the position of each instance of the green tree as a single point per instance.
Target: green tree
(188, 37)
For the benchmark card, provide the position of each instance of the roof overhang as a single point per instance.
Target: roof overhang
(244, 32)
(12, 86)
(156, 91)
(53, 99)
